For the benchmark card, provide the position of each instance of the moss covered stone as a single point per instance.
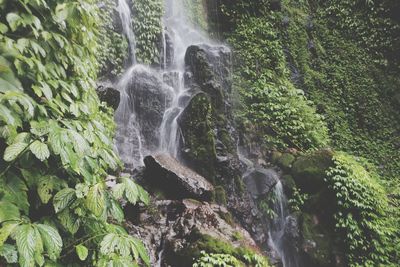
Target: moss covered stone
(286, 160)
(209, 244)
(198, 149)
(309, 170)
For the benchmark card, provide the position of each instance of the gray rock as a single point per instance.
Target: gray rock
(150, 97)
(260, 181)
(177, 180)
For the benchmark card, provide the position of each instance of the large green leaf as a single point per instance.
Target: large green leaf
(15, 191)
(46, 185)
(8, 211)
(69, 221)
(52, 240)
(40, 150)
(95, 199)
(14, 150)
(63, 199)
(131, 190)
(26, 240)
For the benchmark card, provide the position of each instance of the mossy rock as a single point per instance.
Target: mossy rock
(286, 161)
(318, 244)
(199, 242)
(309, 170)
(275, 156)
(198, 136)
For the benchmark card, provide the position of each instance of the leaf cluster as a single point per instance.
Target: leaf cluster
(56, 141)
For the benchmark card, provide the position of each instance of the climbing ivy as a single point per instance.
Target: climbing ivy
(148, 30)
(56, 142)
(362, 212)
(271, 100)
(113, 46)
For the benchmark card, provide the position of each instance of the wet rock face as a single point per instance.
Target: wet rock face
(150, 97)
(175, 179)
(176, 231)
(261, 181)
(210, 67)
(109, 95)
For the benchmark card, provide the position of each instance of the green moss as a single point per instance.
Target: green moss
(220, 195)
(199, 141)
(286, 160)
(210, 244)
(275, 156)
(309, 170)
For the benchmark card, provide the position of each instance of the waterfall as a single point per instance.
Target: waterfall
(281, 246)
(125, 15)
(277, 230)
(182, 35)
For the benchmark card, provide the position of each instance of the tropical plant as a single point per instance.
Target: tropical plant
(362, 211)
(56, 142)
(148, 29)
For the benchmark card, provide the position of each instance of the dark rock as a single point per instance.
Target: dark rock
(309, 171)
(177, 180)
(198, 143)
(288, 185)
(318, 248)
(109, 95)
(260, 181)
(150, 97)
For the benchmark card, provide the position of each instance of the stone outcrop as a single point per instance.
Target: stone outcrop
(260, 181)
(175, 231)
(175, 179)
(150, 97)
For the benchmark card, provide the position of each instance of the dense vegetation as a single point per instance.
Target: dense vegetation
(309, 75)
(318, 73)
(57, 142)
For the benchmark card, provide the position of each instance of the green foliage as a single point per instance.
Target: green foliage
(223, 260)
(362, 212)
(57, 140)
(272, 102)
(148, 29)
(226, 260)
(113, 46)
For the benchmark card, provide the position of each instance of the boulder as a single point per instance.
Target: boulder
(109, 95)
(149, 98)
(309, 170)
(178, 230)
(198, 142)
(177, 180)
(260, 181)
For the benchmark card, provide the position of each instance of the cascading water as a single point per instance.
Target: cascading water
(281, 245)
(128, 138)
(183, 34)
(277, 231)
